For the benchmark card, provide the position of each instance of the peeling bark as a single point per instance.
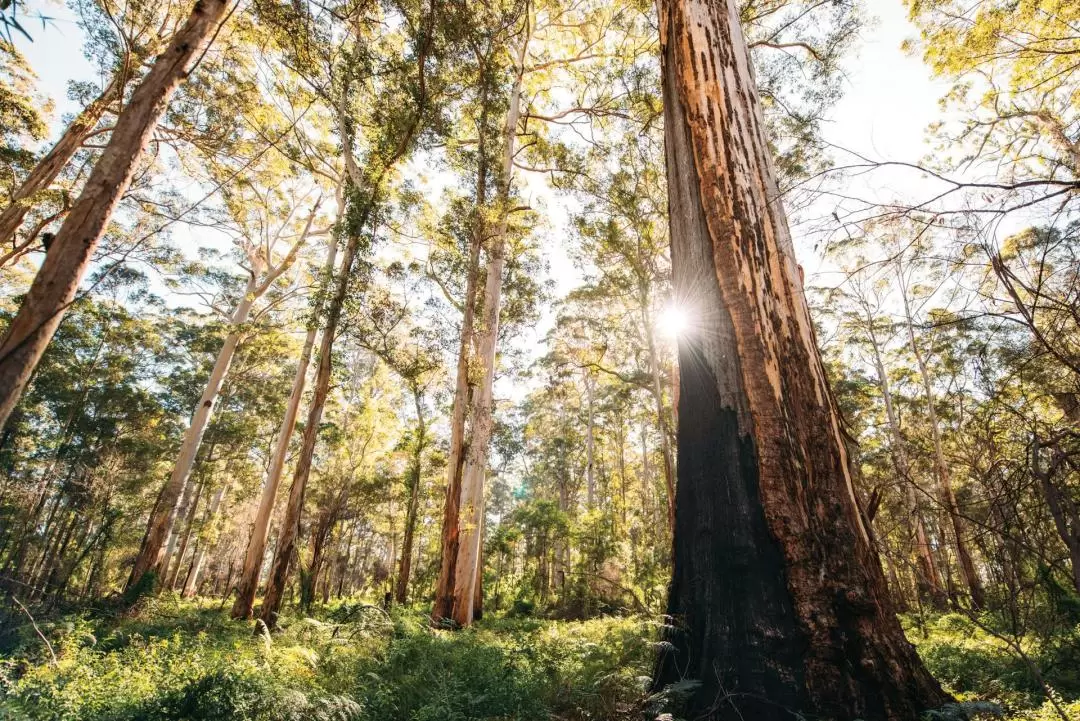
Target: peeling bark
(778, 601)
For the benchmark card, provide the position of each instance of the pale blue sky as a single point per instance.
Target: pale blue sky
(889, 101)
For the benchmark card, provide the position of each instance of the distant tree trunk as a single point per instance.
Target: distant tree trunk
(72, 250)
(191, 583)
(248, 585)
(154, 555)
(173, 576)
(926, 570)
(590, 471)
(941, 467)
(661, 422)
(416, 470)
(1064, 511)
(54, 161)
(778, 602)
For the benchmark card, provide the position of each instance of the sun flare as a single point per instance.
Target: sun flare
(673, 321)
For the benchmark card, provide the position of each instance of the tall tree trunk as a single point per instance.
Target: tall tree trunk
(72, 250)
(248, 584)
(661, 422)
(926, 570)
(590, 471)
(778, 600)
(416, 470)
(152, 556)
(486, 337)
(290, 527)
(941, 467)
(450, 537)
(50, 165)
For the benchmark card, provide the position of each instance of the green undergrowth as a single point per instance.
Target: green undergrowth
(187, 660)
(977, 662)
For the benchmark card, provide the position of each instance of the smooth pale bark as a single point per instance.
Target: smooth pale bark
(941, 467)
(778, 603)
(248, 585)
(57, 281)
(290, 527)
(590, 475)
(486, 336)
(172, 575)
(191, 583)
(416, 469)
(450, 537)
(154, 554)
(50, 165)
(928, 580)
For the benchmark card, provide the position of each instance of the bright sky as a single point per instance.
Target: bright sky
(889, 101)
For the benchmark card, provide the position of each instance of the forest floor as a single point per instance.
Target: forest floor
(187, 660)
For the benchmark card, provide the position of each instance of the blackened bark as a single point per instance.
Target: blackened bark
(778, 603)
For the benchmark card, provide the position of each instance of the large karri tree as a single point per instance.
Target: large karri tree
(778, 603)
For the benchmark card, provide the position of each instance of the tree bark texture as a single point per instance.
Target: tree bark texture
(778, 600)
(57, 281)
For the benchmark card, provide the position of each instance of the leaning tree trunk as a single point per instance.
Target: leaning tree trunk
(290, 526)
(154, 555)
(57, 281)
(248, 585)
(50, 165)
(778, 602)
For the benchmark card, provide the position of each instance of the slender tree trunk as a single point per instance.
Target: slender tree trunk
(590, 475)
(248, 584)
(191, 583)
(658, 400)
(450, 538)
(778, 601)
(50, 165)
(152, 556)
(189, 525)
(290, 527)
(926, 569)
(416, 469)
(941, 467)
(1063, 510)
(72, 250)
